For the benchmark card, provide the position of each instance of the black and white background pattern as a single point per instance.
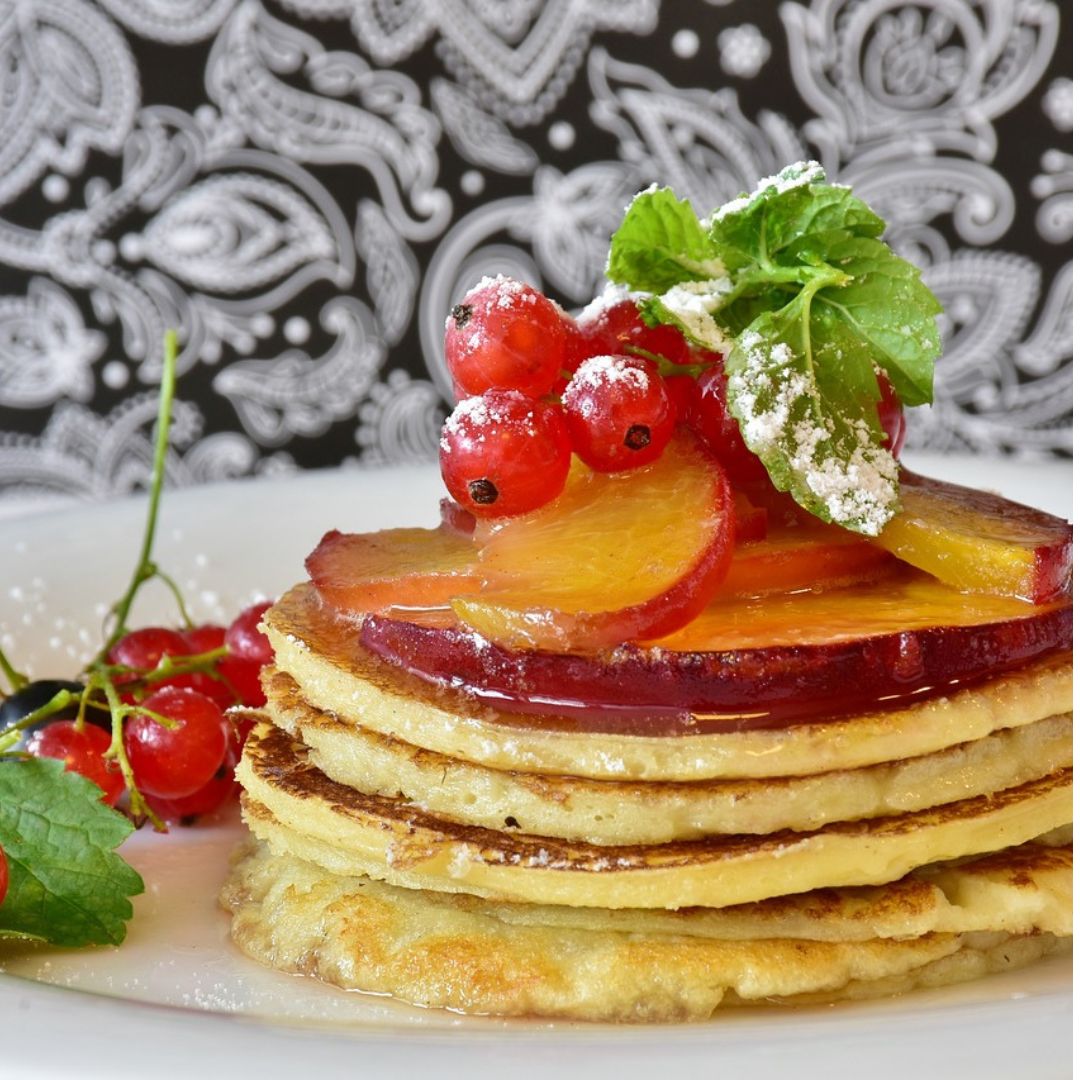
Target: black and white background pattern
(304, 187)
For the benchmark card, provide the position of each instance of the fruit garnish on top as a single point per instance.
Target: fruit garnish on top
(723, 424)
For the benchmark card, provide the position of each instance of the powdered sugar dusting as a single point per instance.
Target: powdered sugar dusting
(693, 302)
(601, 373)
(770, 396)
(612, 296)
(795, 175)
(473, 416)
(507, 291)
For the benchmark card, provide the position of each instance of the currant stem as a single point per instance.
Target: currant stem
(667, 367)
(117, 752)
(60, 700)
(15, 678)
(144, 567)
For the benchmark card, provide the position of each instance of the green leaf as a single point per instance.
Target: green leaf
(887, 305)
(660, 243)
(798, 384)
(784, 213)
(807, 281)
(67, 885)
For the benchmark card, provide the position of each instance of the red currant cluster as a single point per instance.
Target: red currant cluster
(184, 769)
(535, 385)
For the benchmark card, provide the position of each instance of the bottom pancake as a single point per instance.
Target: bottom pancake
(436, 949)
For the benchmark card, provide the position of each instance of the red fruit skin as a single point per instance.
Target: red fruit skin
(221, 788)
(243, 677)
(891, 415)
(578, 350)
(244, 638)
(683, 393)
(3, 875)
(143, 649)
(505, 335)
(206, 638)
(606, 400)
(81, 752)
(456, 518)
(520, 446)
(657, 692)
(174, 763)
(719, 430)
(203, 639)
(619, 329)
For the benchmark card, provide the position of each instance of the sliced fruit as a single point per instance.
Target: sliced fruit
(980, 542)
(456, 518)
(804, 557)
(393, 569)
(751, 522)
(617, 557)
(745, 664)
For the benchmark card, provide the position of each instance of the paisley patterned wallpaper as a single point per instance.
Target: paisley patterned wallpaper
(303, 187)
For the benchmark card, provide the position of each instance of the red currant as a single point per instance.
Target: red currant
(172, 763)
(3, 875)
(243, 678)
(204, 639)
(578, 349)
(143, 649)
(503, 454)
(505, 336)
(81, 751)
(218, 790)
(245, 639)
(619, 328)
(618, 412)
(683, 391)
(719, 430)
(891, 415)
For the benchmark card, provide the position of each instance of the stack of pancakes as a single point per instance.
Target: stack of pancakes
(411, 841)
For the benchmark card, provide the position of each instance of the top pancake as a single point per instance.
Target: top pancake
(336, 674)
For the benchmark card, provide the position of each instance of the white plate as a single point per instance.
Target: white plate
(177, 996)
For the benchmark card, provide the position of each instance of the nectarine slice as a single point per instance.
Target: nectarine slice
(616, 557)
(392, 570)
(804, 557)
(980, 542)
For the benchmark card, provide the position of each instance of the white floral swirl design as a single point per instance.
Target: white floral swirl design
(297, 395)
(390, 133)
(698, 141)
(46, 349)
(70, 86)
(177, 22)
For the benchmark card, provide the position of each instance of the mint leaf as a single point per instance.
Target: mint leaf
(67, 886)
(793, 284)
(660, 243)
(797, 379)
(889, 308)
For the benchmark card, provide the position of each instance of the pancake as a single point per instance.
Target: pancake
(430, 949)
(299, 810)
(628, 812)
(337, 675)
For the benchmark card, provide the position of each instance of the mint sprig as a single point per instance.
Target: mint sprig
(794, 286)
(67, 885)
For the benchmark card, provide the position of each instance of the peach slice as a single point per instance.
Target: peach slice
(617, 557)
(980, 542)
(815, 556)
(395, 569)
